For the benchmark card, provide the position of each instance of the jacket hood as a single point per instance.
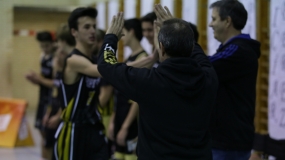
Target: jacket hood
(183, 74)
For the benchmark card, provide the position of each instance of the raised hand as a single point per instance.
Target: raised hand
(156, 31)
(162, 14)
(116, 26)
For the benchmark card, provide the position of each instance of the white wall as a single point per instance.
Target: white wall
(276, 102)
(250, 27)
(113, 9)
(169, 4)
(101, 18)
(6, 16)
(213, 44)
(146, 7)
(189, 10)
(129, 12)
(46, 2)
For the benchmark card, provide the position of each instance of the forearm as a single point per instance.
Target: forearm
(106, 93)
(59, 112)
(112, 118)
(133, 113)
(145, 62)
(48, 110)
(46, 82)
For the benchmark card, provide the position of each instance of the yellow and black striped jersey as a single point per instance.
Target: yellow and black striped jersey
(81, 98)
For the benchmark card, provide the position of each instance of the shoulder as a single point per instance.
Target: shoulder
(77, 60)
(141, 55)
(227, 51)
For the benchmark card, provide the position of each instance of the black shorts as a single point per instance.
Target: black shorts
(49, 138)
(78, 142)
(41, 110)
(132, 134)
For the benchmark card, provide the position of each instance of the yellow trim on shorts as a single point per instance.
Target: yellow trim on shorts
(123, 156)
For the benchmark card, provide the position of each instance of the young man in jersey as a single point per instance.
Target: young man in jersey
(123, 123)
(51, 120)
(46, 42)
(175, 99)
(80, 135)
(236, 64)
(147, 27)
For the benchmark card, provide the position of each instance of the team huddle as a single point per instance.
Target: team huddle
(175, 103)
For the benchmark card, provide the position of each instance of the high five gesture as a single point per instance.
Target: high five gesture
(116, 26)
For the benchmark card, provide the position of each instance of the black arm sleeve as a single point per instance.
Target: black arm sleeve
(199, 56)
(124, 78)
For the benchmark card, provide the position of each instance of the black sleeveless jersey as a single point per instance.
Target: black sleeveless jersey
(81, 98)
(56, 94)
(121, 100)
(46, 72)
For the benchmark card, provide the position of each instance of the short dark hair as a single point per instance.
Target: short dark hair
(177, 38)
(195, 31)
(150, 17)
(44, 36)
(134, 24)
(233, 9)
(80, 12)
(100, 34)
(63, 33)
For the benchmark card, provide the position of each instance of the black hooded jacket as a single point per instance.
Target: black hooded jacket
(236, 64)
(175, 102)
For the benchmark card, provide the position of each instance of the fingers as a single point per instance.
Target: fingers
(113, 21)
(117, 24)
(117, 18)
(157, 24)
(168, 12)
(120, 24)
(162, 13)
(157, 12)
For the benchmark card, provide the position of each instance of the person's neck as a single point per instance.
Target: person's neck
(135, 47)
(84, 49)
(69, 49)
(165, 57)
(230, 35)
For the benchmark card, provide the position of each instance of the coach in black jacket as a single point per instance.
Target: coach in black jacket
(175, 99)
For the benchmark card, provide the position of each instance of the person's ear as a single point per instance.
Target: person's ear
(162, 49)
(74, 32)
(228, 21)
(132, 32)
